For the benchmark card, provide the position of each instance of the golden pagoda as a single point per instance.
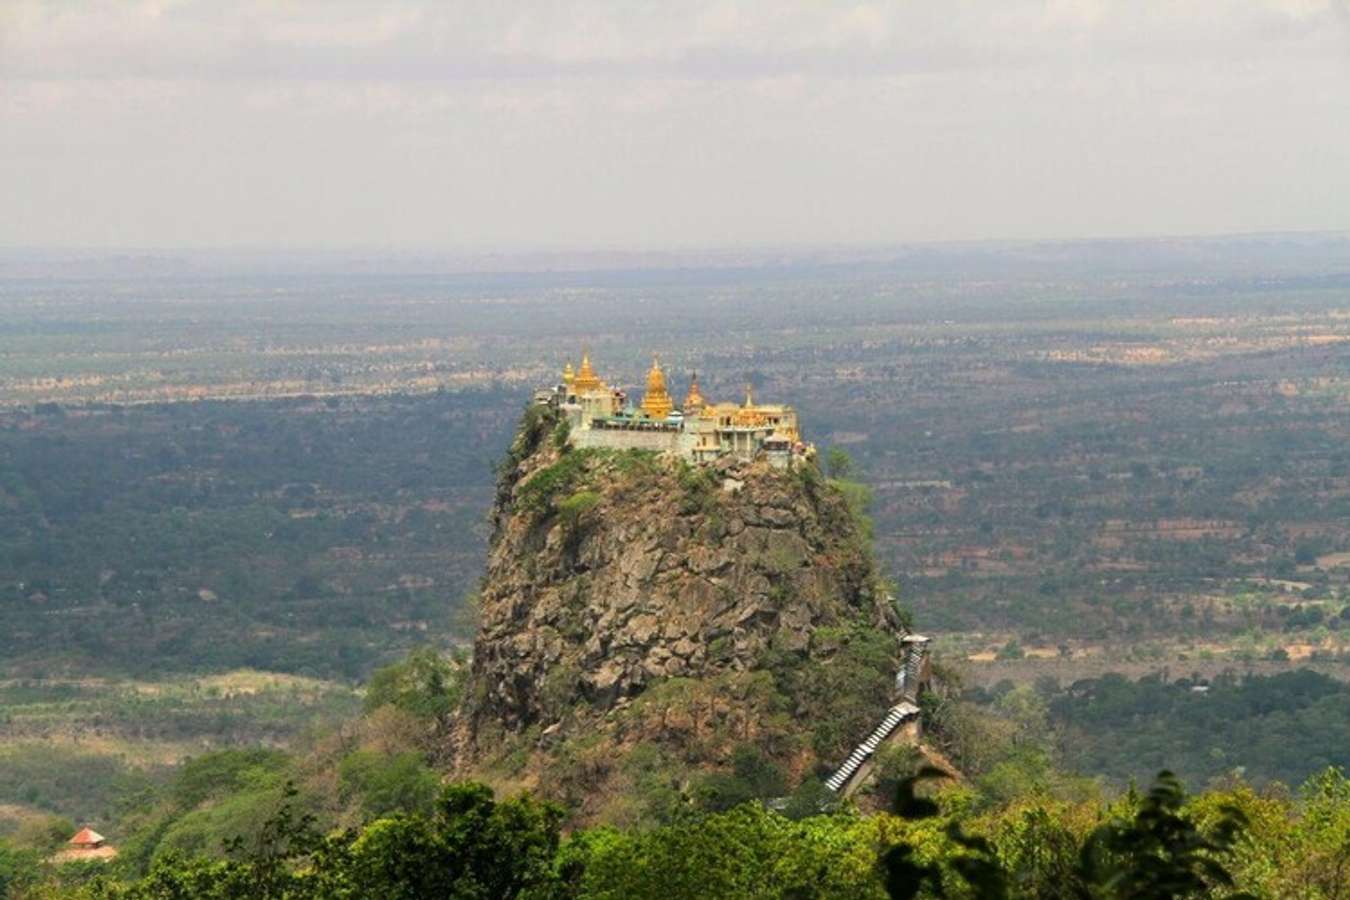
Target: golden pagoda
(599, 417)
(586, 379)
(656, 402)
(693, 401)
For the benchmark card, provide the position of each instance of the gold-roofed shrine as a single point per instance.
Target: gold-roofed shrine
(586, 379)
(699, 430)
(656, 402)
(693, 401)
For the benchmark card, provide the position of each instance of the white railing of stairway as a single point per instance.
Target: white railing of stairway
(907, 686)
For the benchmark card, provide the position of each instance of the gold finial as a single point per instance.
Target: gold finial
(749, 394)
(568, 375)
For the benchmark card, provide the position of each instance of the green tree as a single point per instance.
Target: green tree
(470, 847)
(746, 852)
(44, 834)
(838, 464)
(1161, 852)
(400, 782)
(753, 776)
(424, 683)
(473, 847)
(19, 870)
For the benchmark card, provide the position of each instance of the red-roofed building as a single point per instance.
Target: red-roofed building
(87, 839)
(87, 844)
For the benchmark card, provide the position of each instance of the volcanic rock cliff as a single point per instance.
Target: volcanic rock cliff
(614, 573)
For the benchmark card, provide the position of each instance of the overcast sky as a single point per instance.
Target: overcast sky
(667, 124)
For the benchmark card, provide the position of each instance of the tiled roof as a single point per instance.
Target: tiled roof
(87, 835)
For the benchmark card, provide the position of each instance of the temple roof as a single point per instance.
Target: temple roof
(86, 836)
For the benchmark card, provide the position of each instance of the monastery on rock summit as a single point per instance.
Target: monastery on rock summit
(698, 430)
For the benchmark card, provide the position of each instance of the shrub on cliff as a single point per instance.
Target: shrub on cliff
(539, 493)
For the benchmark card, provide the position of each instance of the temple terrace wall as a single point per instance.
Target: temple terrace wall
(622, 439)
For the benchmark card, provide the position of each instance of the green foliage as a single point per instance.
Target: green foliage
(811, 798)
(1229, 842)
(1285, 726)
(903, 614)
(1038, 847)
(494, 849)
(43, 834)
(1160, 852)
(634, 463)
(746, 852)
(46, 761)
(893, 763)
(472, 847)
(655, 796)
(469, 846)
(211, 798)
(168, 538)
(208, 829)
(571, 510)
(838, 464)
(425, 684)
(388, 783)
(971, 862)
(534, 425)
(541, 491)
(858, 500)
(75, 783)
(699, 489)
(753, 776)
(19, 869)
(224, 772)
(561, 432)
(843, 686)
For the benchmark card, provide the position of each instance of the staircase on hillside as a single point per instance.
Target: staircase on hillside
(901, 712)
(913, 672)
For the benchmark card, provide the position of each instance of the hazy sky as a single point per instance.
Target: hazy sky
(636, 124)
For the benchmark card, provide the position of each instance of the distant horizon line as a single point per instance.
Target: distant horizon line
(526, 249)
(1250, 253)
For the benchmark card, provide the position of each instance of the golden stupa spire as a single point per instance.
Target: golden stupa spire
(586, 379)
(568, 375)
(749, 394)
(693, 401)
(656, 402)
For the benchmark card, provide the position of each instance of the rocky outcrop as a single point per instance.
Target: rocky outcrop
(610, 572)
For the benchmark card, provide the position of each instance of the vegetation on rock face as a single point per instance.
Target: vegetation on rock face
(537, 422)
(739, 600)
(423, 684)
(541, 492)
